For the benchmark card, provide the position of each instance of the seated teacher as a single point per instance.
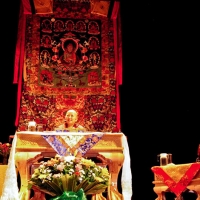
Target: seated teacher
(70, 123)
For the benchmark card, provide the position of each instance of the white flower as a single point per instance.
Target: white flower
(69, 158)
(56, 175)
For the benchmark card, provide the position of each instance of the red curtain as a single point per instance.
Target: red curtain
(19, 52)
(118, 55)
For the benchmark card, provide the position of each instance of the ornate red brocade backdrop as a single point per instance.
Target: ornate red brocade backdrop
(49, 86)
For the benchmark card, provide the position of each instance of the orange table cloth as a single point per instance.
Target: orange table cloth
(176, 177)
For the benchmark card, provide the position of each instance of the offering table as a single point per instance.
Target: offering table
(31, 147)
(176, 179)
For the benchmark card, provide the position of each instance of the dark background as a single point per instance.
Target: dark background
(160, 91)
(9, 26)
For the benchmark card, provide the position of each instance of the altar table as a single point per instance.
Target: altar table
(29, 147)
(176, 179)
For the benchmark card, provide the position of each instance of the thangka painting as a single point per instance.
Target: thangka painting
(70, 53)
(68, 56)
(69, 64)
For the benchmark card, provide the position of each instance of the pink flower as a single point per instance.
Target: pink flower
(78, 167)
(60, 167)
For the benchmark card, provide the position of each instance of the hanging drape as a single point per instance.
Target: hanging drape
(118, 55)
(19, 52)
(20, 65)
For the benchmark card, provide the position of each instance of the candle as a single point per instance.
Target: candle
(32, 126)
(32, 123)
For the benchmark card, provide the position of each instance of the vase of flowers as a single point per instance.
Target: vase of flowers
(5, 152)
(64, 177)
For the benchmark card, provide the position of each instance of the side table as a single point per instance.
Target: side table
(176, 179)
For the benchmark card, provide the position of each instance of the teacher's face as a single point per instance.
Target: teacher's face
(71, 118)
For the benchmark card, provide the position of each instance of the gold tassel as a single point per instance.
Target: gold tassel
(113, 194)
(98, 197)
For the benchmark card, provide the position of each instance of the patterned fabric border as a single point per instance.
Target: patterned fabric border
(73, 144)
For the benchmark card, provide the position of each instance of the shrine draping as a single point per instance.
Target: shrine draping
(51, 82)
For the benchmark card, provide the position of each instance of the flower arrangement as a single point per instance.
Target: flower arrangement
(70, 174)
(5, 151)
